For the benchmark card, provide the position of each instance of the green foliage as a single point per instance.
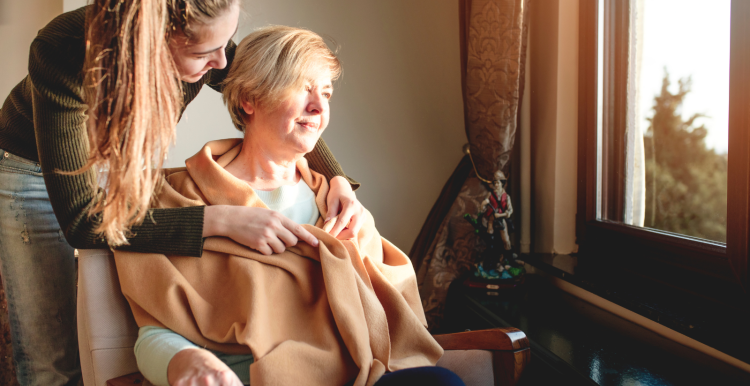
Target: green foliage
(686, 182)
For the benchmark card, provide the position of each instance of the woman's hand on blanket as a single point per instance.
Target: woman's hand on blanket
(342, 202)
(262, 229)
(199, 367)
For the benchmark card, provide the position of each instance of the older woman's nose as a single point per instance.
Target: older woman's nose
(317, 104)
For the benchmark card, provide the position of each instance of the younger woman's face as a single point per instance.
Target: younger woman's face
(205, 49)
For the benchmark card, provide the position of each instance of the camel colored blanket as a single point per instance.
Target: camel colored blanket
(310, 316)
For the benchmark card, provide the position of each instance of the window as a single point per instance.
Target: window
(664, 139)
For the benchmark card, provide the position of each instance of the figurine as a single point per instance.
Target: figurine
(493, 225)
(498, 208)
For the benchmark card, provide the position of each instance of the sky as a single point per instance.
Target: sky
(689, 38)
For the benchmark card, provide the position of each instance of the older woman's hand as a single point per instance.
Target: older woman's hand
(343, 202)
(262, 229)
(199, 367)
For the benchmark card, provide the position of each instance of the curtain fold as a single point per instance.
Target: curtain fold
(493, 47)
(439, 210)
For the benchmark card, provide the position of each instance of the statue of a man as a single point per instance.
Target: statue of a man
(497, 208)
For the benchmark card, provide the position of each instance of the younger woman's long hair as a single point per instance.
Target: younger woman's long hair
(134, 99)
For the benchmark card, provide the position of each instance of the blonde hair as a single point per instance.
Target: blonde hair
(134, 97)
(271, 61)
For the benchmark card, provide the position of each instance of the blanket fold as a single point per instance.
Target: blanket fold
(311, 315)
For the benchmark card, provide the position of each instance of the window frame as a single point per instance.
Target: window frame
(705, 268)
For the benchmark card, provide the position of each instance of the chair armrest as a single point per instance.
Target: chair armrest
(509, 347)
(496, 339)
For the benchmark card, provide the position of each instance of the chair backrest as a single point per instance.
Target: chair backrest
(106, 329)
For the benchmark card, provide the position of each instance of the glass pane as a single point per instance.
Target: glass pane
(677, 175)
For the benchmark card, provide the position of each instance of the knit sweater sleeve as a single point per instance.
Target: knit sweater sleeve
(321, 159)
(59, 115)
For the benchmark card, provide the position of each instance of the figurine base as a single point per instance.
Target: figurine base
(493, 284)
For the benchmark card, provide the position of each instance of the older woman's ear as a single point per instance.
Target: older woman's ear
(248, 107)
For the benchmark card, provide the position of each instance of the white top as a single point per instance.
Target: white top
(297, 202)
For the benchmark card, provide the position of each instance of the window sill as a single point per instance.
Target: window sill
(574, 342)
(709, 322)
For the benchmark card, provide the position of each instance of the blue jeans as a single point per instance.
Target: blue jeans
(38, 270)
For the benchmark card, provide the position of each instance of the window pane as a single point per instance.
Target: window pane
(675, 152)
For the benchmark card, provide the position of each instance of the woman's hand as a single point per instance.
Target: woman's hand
(264, 230)
(343, 202)
(199, 367)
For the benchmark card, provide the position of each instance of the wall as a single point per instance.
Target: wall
(69, 5)
(397, 116)
(554, 124)
(19, 23)
(397, 121)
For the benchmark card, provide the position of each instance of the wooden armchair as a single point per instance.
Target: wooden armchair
(486, 357)
(107, 333)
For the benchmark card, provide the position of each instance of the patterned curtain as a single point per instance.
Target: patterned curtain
(493, 56)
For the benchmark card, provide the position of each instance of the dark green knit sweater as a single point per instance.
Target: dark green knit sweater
(44, 119)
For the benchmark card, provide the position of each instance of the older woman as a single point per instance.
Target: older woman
(340, 311)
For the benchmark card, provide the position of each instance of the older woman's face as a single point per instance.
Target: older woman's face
(296, 124)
